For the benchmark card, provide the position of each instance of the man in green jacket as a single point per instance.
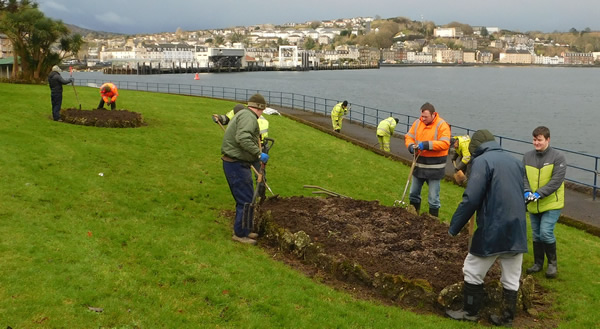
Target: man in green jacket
(545, 170)
(240, 148)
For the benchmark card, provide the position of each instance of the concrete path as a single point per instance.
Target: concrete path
(580, 210)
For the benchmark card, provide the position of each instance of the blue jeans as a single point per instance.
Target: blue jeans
(434, 191)
(239, 178)
(56, 100)
(542, 225)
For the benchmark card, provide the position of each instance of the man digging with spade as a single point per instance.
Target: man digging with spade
(240, 148)
(495, 192)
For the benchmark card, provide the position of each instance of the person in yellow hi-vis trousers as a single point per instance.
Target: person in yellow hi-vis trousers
(385, 130)
(337, 114)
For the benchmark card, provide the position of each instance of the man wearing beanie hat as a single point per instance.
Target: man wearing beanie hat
(430, 137)
(240, 148)
(495, 192)
(223, 119)
(56, 82)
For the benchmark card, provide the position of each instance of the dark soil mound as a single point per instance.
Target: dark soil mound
(102, 118)
(373, 251)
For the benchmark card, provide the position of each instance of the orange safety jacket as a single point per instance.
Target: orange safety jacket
(111, 96)
(436, 139)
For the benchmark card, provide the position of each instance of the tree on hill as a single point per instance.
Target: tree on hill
(33, 36)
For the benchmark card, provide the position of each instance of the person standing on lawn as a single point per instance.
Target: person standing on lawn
(56, 82)
(545, 192)
(240, 148)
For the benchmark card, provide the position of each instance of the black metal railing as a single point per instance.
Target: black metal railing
(582, 168)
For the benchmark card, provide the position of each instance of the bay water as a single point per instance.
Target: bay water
(509, 101)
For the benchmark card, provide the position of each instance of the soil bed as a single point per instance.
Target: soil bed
(373, 248)
(102, 118)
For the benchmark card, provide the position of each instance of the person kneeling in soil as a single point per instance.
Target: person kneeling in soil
(108, 95)
(494, 190)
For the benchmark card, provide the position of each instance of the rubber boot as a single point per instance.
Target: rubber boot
(416, 205)
(538, 258)
(509, 311)
(552, 269)
(434, 212)
(473, 295)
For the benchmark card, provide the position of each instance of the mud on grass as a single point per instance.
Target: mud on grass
(377, 249)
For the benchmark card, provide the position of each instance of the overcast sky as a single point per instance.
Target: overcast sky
(143, 16)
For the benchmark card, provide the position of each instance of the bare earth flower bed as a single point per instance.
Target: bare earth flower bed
(383, 253)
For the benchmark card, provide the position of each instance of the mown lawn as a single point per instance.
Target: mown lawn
(147, 243)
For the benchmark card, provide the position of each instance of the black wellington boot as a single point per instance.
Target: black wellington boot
(538, 258)
(473, 295)
(552, 269)
(434, 212)
(510, 309)
(416, 205)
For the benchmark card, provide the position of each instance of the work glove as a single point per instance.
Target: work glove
(215, 118)
(411, 148)
(421, 146)
(71, 80)
(531, 197)
(264, 157)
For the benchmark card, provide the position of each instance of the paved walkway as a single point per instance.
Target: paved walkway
(580, 210)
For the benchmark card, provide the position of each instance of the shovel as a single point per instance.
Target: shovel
(401, 202)
(75, 90)
(249, 209)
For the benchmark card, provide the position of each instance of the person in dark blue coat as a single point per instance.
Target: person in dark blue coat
(495, 192)
(56, 82)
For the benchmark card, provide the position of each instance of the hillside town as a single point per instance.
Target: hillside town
(317, 44)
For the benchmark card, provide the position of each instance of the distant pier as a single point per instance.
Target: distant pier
(144, 69)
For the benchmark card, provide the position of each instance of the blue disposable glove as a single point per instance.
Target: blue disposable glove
(264, 157)
(421, 147)
(411, 148)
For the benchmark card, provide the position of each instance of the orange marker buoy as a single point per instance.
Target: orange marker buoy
(197, 77)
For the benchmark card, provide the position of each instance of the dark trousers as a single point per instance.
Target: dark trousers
(113, 105)
(239, 178)
(56, 100)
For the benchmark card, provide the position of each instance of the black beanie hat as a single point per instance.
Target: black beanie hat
(480, 137)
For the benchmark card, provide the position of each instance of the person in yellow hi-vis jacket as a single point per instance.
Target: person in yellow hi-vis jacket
(337, 114)
(385, 130)
(461, 157)
(223, 119)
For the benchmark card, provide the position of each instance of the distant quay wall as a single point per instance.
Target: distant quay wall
(147, 70)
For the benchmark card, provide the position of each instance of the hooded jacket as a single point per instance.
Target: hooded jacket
(56, 82)
(495, 191)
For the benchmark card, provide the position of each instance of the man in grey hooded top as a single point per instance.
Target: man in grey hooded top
(495, 192)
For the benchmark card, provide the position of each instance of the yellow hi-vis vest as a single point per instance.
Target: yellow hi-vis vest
(540, 177)
(263, 126)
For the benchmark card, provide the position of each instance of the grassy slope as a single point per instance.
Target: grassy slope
(146, 241)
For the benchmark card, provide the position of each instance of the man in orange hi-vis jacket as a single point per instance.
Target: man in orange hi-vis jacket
(430, 137)
(108, 93)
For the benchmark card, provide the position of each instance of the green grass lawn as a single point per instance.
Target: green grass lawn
(146, 241)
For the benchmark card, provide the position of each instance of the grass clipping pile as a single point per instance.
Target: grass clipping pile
(102, 118)
(374, 251)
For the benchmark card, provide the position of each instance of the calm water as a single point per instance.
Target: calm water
(509, 101)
